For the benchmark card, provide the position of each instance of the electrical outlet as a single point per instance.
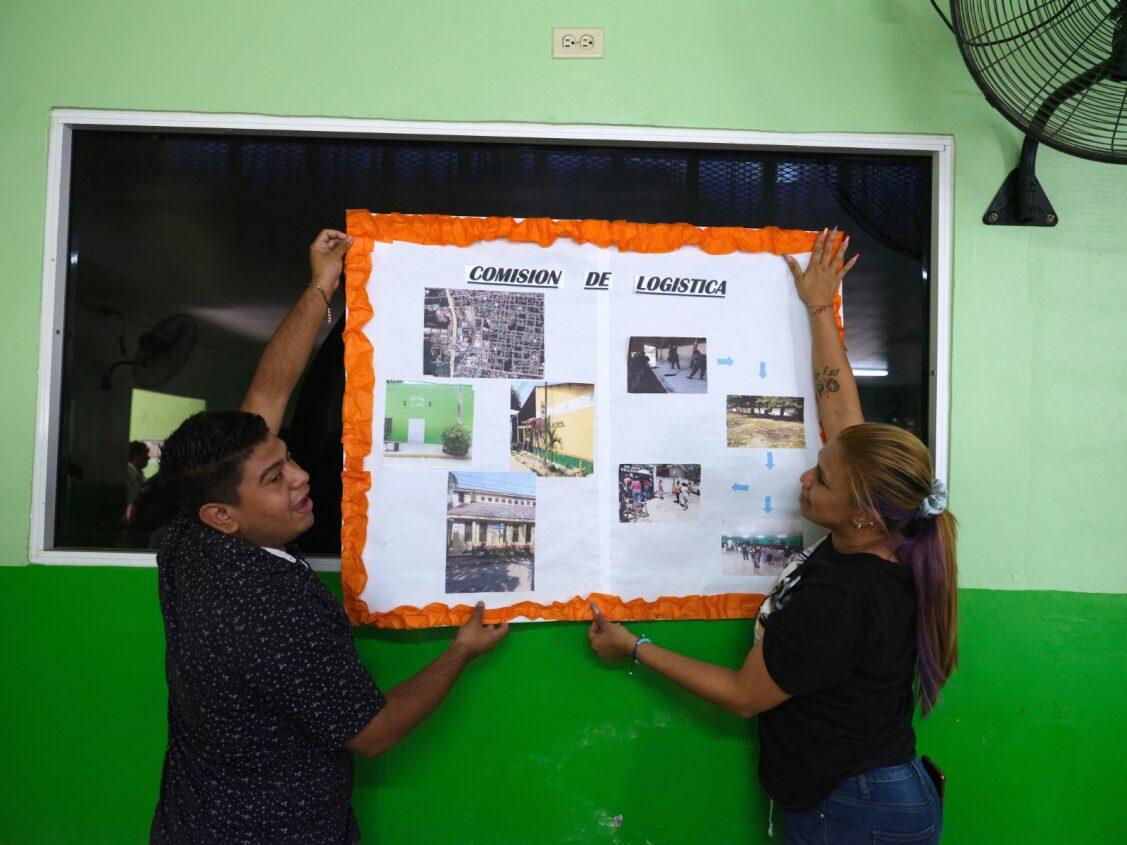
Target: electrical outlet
(577, 42)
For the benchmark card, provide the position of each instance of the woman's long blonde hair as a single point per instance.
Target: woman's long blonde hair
(890, 473)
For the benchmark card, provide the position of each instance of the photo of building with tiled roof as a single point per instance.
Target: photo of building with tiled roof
(490, 532)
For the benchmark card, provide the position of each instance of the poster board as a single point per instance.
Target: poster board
(541, 412)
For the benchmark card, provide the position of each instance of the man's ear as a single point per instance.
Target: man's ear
(219, 516)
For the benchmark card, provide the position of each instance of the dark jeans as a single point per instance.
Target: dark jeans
(891, 804)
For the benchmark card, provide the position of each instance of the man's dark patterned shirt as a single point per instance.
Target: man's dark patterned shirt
(264, 689)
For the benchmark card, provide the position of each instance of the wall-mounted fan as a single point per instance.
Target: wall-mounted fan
(161, 352)
(1057, 70)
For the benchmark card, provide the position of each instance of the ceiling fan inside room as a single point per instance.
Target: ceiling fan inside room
(1057, 70)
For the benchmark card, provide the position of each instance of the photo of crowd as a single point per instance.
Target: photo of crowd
(667, 365)
(658, 492)
(748, 551)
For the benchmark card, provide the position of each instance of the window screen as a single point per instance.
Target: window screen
(195, 245)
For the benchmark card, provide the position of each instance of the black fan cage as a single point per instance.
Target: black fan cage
(1056, 69)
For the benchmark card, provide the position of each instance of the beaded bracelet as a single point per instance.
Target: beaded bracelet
(328, 308)
(640, 641)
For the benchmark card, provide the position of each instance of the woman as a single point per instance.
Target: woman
(857, 628)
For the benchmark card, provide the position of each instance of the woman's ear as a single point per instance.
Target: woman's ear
(864, 519)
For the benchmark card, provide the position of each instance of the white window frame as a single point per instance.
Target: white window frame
(941, 149)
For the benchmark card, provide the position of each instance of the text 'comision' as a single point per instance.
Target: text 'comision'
(514, 276)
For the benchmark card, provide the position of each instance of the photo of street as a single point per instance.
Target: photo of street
(423, 420)
(667, 365)
(490, 532)
(658, 492)
(747, 551)
(766, 422)
(552, 429)
(483, 334)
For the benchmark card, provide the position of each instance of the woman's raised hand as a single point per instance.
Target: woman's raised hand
(818, 285)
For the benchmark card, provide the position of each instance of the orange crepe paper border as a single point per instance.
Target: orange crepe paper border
(442, 230)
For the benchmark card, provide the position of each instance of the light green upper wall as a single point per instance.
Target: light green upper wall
(1037, 456)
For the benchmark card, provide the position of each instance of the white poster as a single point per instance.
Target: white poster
(554, 421)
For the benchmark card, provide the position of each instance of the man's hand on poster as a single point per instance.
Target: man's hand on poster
(326, 259)
(818, 284)
(610, 640)
(475, 638)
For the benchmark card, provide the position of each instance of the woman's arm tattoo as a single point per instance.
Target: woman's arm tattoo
(826, 381)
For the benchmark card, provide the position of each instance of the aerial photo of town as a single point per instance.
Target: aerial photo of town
(483, 334)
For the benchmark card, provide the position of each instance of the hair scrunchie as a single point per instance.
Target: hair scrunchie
(936, 501)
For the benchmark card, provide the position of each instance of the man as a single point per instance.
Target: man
(267, 699)
(674, 357)
(135, 475)
(699, 364)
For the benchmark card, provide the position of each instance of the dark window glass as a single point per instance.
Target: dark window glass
(195, 246)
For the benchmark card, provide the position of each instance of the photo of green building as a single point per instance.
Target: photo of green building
(424, 420)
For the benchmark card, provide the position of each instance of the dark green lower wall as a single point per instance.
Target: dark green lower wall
(540, 743)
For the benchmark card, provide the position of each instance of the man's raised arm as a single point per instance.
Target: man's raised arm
(288, 351)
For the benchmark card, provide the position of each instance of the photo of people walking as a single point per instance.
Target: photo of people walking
(658, 492)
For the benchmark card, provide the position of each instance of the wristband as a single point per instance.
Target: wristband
(641, 641)
(818, 309)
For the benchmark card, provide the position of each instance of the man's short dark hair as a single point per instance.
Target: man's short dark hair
(206, 454)
(138, 447)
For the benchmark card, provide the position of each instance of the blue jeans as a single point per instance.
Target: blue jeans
(890, 804)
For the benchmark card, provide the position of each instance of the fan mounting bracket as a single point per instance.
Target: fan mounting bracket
(1021, 200)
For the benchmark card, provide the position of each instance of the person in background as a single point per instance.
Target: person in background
(674, 357)
(267, 698)
(859, 628)
(135, 475)
(699, 364)
(636, 366)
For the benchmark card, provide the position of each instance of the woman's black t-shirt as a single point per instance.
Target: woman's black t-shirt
(841, 638)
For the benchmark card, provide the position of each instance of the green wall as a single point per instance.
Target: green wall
(439, 408)
(540, 742)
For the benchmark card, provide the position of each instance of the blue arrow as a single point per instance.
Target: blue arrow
(770, 461)
(738, 487)
(763, 369)
(724, 362)
(767, 504)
